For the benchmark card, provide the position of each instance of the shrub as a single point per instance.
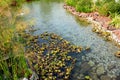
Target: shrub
(114, 7)
(4, 3)
(103, 10)
(71, 2)
(84, 6)
(116, 20)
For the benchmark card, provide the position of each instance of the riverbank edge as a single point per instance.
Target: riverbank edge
(91, 18)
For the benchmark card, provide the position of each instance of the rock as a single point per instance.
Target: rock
(91, 63)
(85, 67)
(80, 77)
(118, 77)
(74, 76)
(14, 3)
(111, 66)
(96, 13)
(100, 70)
(25, 79)
(109, 38)
(83, 15)
(93, 70)
(112, 75)
(94, 76)
(83, 57)
(105, 77)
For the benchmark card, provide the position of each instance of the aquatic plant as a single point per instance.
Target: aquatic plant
(88, 78)
(47, 55)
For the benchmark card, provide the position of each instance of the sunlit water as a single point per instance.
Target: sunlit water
(50, 16)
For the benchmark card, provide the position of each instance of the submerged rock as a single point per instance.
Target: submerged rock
(105, 77)
(85, 67)
(100, 69)
(81, 76)
(91, 63)
(94, 76)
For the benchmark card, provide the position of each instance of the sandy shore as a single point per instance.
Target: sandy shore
(102, 22)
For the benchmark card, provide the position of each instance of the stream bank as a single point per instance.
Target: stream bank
(100, 22)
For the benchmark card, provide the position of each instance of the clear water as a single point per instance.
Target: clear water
(50, 16)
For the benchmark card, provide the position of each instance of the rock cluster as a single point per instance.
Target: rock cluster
(92, 71)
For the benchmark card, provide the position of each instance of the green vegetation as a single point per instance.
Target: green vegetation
(104, 7)
(12, 60)
(21, 53)
(48, 56)
(107, 7)
(85, 6)
(81, 5)
(16, 3)
(71, 2)
(116, 21)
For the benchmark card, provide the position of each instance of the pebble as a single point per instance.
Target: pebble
(93, 70)
(85, 67)
(105, 77)
(91, 63)
(94, 76)
(110, 66)
(81, 76)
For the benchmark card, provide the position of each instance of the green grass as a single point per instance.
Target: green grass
(12, 60)
(80, 5)
(71, 2)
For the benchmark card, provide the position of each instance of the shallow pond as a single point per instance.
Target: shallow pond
(99, 62)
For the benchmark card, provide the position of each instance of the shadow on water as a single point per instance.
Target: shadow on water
(50, 16)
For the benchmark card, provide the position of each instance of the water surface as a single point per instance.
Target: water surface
(50, 16)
